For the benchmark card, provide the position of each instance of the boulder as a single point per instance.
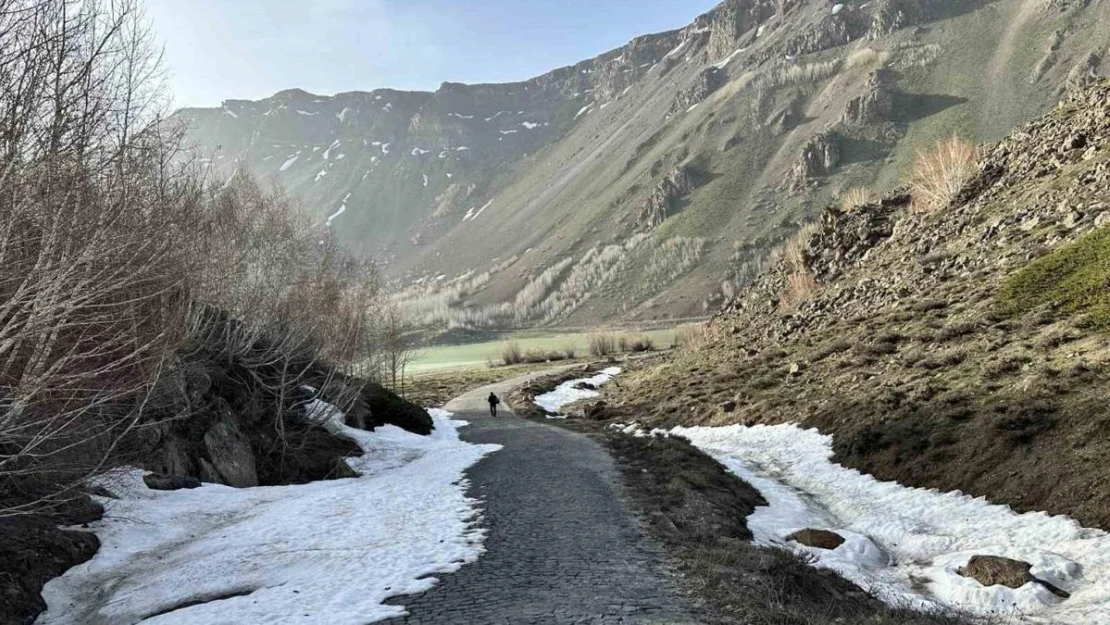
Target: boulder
(997, 571)
(208, 473)
(820, 539)
(230, 452)
(161, 481)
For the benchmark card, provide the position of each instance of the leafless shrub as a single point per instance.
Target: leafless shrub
(939, 174)
(511, 353)
(602, 344)
(635, 343)
(116, 259)
(691, 336)
(800, 282)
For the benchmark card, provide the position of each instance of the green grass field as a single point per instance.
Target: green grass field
(479, 354)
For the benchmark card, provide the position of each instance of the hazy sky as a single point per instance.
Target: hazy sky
(250, 49)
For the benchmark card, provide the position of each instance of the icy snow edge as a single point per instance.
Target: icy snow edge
(330, 551)
(906, 544)
(566, 393)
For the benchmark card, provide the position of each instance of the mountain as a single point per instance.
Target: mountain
(650, 181)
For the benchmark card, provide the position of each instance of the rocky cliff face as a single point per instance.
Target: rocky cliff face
(473, 193)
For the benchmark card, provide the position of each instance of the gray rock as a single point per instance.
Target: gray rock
(997, 571)
(231, 453)
(820, 539)
(161, 481)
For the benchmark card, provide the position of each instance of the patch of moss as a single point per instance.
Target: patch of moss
(1073, 279)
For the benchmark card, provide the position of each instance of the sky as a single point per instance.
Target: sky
(251, 49)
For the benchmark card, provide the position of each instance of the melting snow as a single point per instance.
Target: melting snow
(898, 538)
(320, 174)
(342, 115)
(724, 62)
(340, 157)
(837, 8)
(326, 552)
(289, 162)
(385, 148)
(331, 217)
(507, 132)
(461, 148)
(530, 125)
(419, 152)
(309, 113)
(582, 111)
(425, 180)
(232, 113)
(461, 116)
(566, 393)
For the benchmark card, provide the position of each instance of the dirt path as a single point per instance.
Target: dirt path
(562, 546)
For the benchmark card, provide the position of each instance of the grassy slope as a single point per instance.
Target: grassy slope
(554, 209)
(946, 357)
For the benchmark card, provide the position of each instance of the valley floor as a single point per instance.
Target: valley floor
(514, 520)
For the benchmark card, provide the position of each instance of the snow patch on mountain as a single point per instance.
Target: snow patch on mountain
(289, 161)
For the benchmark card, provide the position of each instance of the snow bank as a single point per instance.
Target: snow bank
(324, 552)
(566, 393)
(905, 544)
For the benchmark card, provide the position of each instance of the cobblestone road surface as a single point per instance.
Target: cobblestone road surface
(562, 546)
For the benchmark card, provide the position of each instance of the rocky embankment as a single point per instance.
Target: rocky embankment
(218, 417)
(942, 349)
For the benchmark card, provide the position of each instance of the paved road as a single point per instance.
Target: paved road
(562, 546)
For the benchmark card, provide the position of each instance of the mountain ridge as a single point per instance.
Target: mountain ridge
(682, 154)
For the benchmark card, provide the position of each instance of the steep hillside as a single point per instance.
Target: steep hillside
(649, 181)
(964, 348)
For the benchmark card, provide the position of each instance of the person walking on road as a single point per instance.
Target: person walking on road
(493, 401)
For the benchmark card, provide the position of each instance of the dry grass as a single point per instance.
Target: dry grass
(800, 282)
(635, 343)
(602, 344)
(511, 353)
(940, 174)
(692, 336)
(854, 197)
(867, 57)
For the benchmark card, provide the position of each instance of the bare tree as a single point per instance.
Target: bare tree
(116, 259)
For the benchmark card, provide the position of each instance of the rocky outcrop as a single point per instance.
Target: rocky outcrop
(819, 157)
(890, 15)
(664, 197)
(706, 83)
(819, 539)
(875, 105)
(733, 19)
(843, 238)
(836, 29)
